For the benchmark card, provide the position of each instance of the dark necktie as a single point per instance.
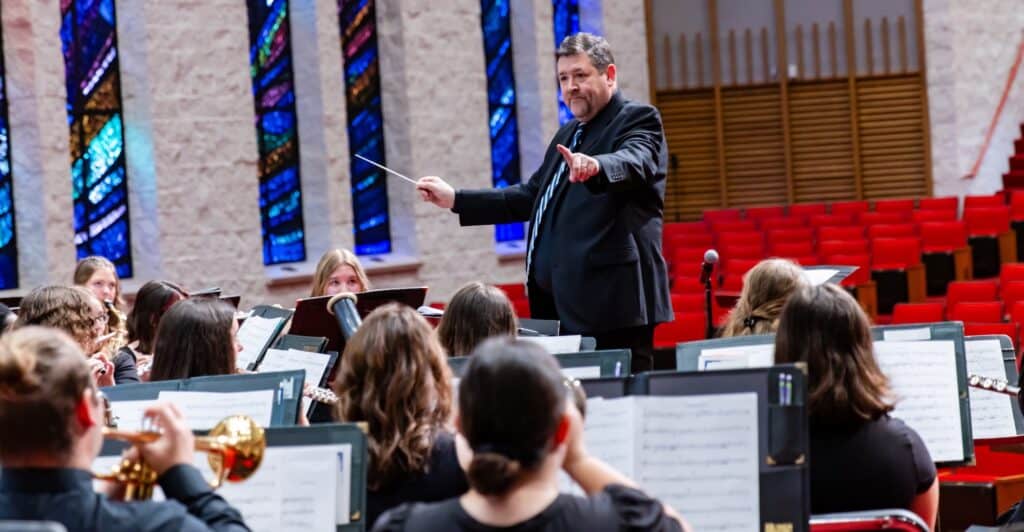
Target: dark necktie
(546, 198)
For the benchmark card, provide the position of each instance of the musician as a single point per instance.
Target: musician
(195, 338)
(516, 413)
(339, 271)
(78, 313)
(47, 394)
(595, 209)
(861, 458)
(766, 287)
(7, 318)
(99, 276)
(475, 313)
(394, 376)
(151, 302)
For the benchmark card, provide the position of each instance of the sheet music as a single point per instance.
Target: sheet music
(582, 372)
(255, 334)
(314, 364)
(203, 410)
(736, 356)
(923, 377)
(294, 489)
(907, 335)
(609, 434)
(129, 413)
(556, 344)
(991, 413)
(820, 276)
(699, 454)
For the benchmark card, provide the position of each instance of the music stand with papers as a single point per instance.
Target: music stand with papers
(582, 365)
(312, 318)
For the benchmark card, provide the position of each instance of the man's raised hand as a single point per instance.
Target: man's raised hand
(581, 166)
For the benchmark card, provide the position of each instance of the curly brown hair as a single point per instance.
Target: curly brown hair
(395, 377)
(68, 308)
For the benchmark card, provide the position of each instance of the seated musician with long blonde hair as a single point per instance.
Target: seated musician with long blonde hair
(53, 416)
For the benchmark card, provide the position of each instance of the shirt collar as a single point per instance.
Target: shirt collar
(43, 480)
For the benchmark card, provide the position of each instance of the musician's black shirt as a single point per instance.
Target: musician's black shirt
(443, 479)
(616, 508)
(67, 497)
(879, 464)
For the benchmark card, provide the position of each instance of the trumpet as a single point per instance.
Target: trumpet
(234, 448)
(993, 385)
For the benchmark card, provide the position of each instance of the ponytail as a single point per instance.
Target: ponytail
(492, 473)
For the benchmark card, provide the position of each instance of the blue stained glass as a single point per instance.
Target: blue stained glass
(99, 182)
(280, 185)
(566, 21)
(371, 223)
(8, 237)
(501, 97)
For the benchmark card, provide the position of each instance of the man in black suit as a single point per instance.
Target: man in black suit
(595, 209)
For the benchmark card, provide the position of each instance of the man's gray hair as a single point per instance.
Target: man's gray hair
(595, 46)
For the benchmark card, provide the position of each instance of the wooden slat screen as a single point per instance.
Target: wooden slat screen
(754, 158)
(689, 119)
(892, 137)
(821, 141)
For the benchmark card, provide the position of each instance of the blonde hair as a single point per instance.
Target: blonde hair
(42, 377)
(329, 262)
(85, 269)
(394, 376)
(68, 308)
(766, 287)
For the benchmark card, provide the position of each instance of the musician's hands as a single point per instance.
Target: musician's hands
(575, 451)
(102, 370)
(581, 166)
(436, 191)
(176, 444)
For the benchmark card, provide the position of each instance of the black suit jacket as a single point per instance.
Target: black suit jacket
(608, 272)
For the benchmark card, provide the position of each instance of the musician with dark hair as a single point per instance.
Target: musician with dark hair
(861, 458)
(476, 312)
(52, 417)
(516, 414)
(196, 337)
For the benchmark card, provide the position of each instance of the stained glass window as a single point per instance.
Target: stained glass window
(99, 182)
(566, 21)
(273, 88)
(501, 104)
(365, 125)
(8, 242)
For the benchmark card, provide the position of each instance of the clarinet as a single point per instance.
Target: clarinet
(993, 385)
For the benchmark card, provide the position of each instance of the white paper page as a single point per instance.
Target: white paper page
(907, 335)
(556, 344)
(129, 413)
(820, 276)
(203, 410)
(737, 356)
(254, 334)
(293, 489)
(991, 413)
(582, 372)
(608, 433)
(699, 454)
(924, 380)
(314, 364)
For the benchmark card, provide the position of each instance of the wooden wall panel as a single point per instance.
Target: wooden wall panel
(689, 120)
(821, 141)
(892, 137)
(755, 165)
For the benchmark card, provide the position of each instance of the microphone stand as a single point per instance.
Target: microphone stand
(709, 328)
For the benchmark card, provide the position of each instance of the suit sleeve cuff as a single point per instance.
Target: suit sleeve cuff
(456, 204)
(183, 482)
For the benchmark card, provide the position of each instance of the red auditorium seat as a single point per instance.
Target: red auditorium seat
(896, 267)
(987, 221)
(849, 232)
(514, 291)
(687, 284)
(948, 203)
(790, 235)
(850, 207)
(799, 251)
(687, 255)
(979, 329)
(932, 216)
(876, 218)
(789, 222)
(686, 327)
(522, 307)
(842, 247)
(946, 254)
(917, 313)
(807, 209)
(895, 253)
(1017, 312)
(721, 215)
(826, 220)
(1013, 271)
(738, 265)
(1011, 292)
(704, 238)
(970, 291)
(760, 213)
(730, 252)
(976, 311)
(684, 228)
(733, 226)
(892, 231)
(693, 302)
(895, 205)
(740, 238)
(992, 242)
(860, 280)
(942, 237)
(995, 200)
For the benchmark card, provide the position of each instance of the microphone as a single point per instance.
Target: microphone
(710, 259)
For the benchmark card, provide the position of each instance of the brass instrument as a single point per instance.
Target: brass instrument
(235, 448)
(993, 385)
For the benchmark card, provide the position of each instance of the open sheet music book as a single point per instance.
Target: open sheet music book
(202, 410)
(257, 334)
(697, 453)
(991, 413)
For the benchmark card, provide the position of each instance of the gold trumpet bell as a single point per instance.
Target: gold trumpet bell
(235, 448)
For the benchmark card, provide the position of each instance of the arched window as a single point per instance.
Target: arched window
(273, 88)
(99, 181)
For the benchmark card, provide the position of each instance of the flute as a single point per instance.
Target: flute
(320, 395)
(992, 385)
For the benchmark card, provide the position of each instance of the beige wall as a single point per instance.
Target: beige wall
(191, 149)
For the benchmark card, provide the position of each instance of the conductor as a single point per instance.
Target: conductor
(593, 256)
